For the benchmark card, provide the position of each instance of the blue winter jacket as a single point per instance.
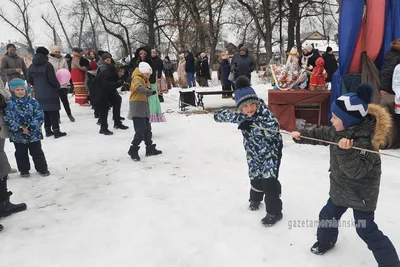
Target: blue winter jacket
(262, 147)
(24, 113)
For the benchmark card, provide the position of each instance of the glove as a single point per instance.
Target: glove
(246, 125)
(154, 92)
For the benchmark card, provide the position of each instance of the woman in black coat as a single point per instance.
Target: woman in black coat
(330, 63)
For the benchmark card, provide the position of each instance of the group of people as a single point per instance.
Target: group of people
(354, 174)
(308, 71)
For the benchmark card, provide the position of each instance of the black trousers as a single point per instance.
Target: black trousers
(142, 131)
(22, 157)
(270, 188)
(102, 108)
(63, 93)
(51, 119)
(227, 88)
(3, 189)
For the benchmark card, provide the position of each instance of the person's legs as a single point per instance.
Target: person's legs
(22, 158)
(327, 232)
(55, 119)
(256, 194)
(102, 107)
(116, 101)
(47, 124)
(384, 252)
(39, 159)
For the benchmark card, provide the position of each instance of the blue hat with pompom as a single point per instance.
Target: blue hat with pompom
(244, 94)
(353, 107)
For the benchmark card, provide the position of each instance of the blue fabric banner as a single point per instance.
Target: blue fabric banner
(351, 14)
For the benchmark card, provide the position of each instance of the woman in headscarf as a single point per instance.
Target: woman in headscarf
(78, 76)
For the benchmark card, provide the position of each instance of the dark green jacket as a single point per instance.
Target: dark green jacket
(355, 175)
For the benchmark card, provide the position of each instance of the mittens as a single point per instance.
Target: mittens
(246, 125)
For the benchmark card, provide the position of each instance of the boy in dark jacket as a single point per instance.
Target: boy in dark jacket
(263, 149)
(24, 118)
(355, 174)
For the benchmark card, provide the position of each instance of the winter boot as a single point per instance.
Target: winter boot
(25, 174)
(44, 173)
(6, 207)
(320, 249)
(254, 205)
(49, 132)
(134, 153)
(152, 151)
(122, 118)
(270, 219)
(105, 131)
(120, 126)
(71, 118)
(1, 228)
(58, 134)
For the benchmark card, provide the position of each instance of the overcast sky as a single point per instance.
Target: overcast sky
(42, 34)
(39, 7)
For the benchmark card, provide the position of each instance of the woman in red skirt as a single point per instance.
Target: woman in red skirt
(78, 76)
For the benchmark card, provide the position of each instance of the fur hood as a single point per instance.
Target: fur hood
(383, 125)
(395, 46)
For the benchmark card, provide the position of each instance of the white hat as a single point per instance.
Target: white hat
(144, 67)
(276, 49)
(308, 47)
(55, 48)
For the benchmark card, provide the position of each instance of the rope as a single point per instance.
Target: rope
(332, 143)
(304, 137)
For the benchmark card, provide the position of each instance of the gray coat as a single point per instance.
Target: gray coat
(9, 64)
(5, 167)
(355, 175)
(43, 78)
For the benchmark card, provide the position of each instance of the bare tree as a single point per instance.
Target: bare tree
(263, 13)
(23, 17)
(110, 13)
(52, 27)
(61, 24)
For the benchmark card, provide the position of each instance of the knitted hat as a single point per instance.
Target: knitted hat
(106, 55)
(42, 50)
(353, 107)
(308, 47)
(55, 48)
(144, 67)
(328, 49)
(10, 45)
(244, 93)
(16, 83)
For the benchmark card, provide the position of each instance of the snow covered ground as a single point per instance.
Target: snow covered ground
(185, 208)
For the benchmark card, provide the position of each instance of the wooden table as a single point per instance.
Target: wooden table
(285, 105)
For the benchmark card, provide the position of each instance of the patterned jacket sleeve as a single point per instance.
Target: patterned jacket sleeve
(38, 117)
(10, 118)
(228, 115)
(270, 122)
(323, 133)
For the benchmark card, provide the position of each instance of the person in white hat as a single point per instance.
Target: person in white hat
(139, 111)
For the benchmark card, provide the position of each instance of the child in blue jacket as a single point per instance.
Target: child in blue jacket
(263, 148)
(24, 118)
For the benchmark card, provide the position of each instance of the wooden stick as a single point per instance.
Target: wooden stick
(332, 143)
